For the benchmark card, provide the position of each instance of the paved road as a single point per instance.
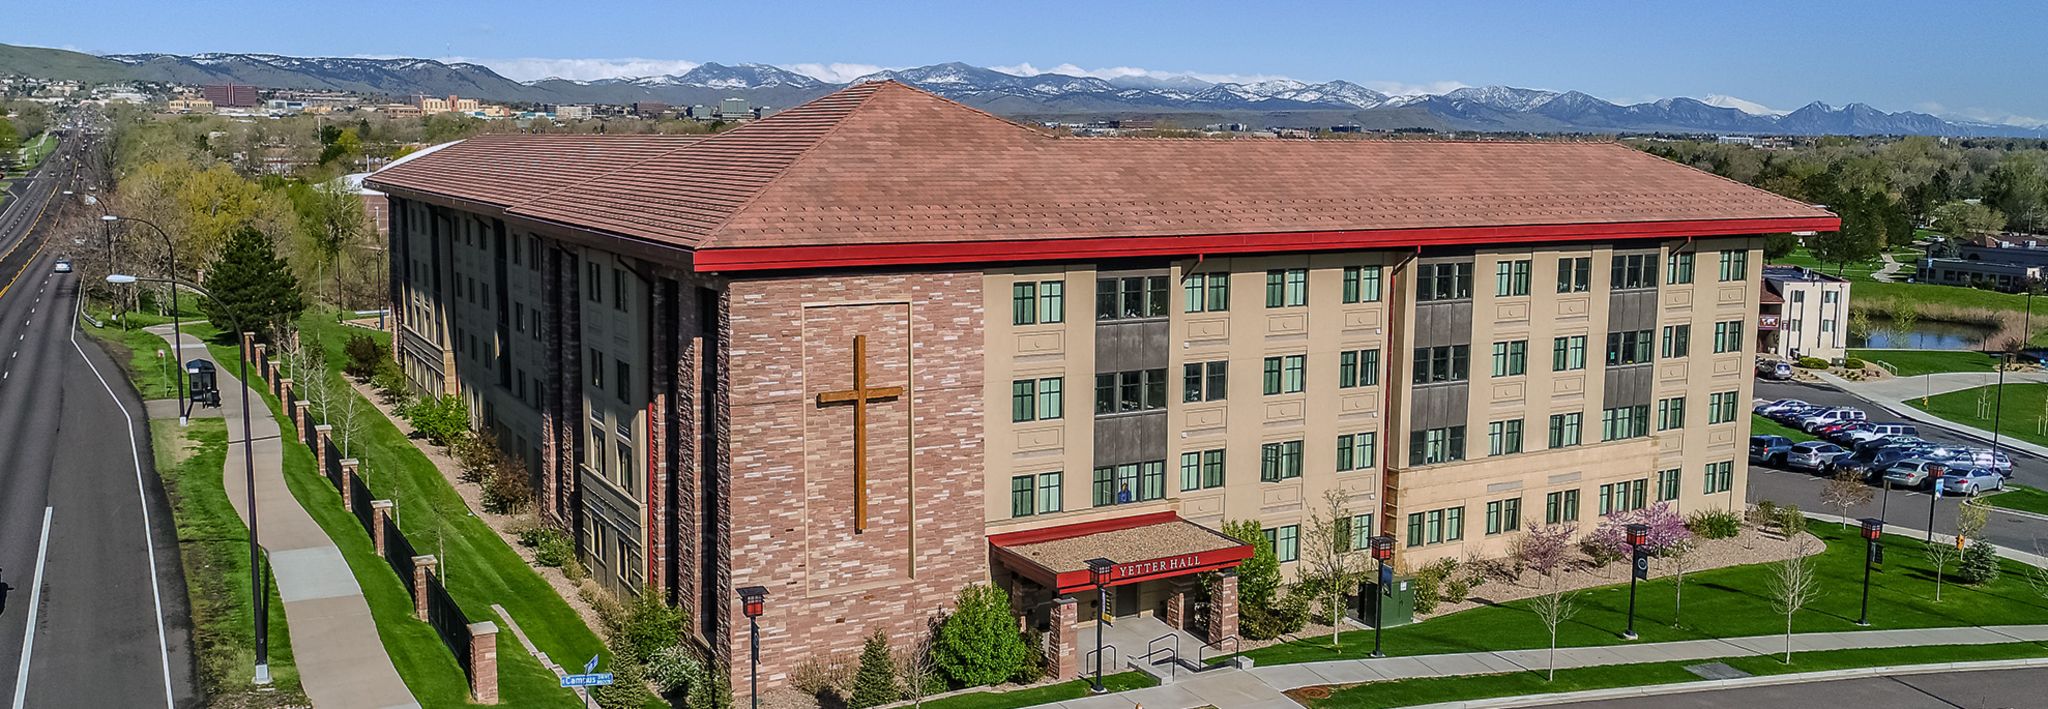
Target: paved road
(1991, 689)
(92, 602)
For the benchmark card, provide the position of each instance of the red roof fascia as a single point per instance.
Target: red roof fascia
(1165, 567)
(853, 255)
(1081, 529)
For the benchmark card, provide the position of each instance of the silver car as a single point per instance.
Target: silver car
(1971, 481)
(1914, 472)
(1813, 455)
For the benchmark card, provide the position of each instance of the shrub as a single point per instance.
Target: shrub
(628, 689)
(553, 547)
(477, 454)
(823, 677)
(1035, 662)
(1431, 582)
(391, 385)
(1666, 529)
(674, 668)
(1979, 565)
(979, 644)
(1812, 363)
(644, 627)
(442, 420)
(1258, 583)
(716, 693)
(875, 683)
(1288, 615)
(1852, 363)
(508, 491)
(1714, 524)
(365, 358)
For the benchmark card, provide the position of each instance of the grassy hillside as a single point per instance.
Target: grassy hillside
(46, 63)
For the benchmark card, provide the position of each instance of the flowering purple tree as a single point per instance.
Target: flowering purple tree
(1667, 529)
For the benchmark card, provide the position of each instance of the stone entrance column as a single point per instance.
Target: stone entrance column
(1176, 604)
(1061, 651)
(1223, 607)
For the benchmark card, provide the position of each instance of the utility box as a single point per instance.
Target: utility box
(1400, 603)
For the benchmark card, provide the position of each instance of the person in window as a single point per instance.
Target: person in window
(1123, 494)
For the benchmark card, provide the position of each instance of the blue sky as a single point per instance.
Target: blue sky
(1969, 59)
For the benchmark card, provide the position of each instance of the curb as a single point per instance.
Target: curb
(1741, 683)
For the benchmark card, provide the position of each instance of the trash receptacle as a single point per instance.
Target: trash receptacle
(1400, 603)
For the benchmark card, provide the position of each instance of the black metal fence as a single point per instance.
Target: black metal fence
(333, 466)
(359, 503)
(398, 551)
(448, 622)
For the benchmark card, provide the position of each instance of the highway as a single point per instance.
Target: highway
(92, 600)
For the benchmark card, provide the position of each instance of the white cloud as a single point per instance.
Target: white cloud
(1121, 72)
(1402, 88)
(835, 72)
(530, 68)
(1981, 115)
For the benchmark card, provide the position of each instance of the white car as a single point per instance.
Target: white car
(63, 265)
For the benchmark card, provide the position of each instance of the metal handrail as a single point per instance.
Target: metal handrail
(1201, 654)
(1174, 671)
(1098, 659)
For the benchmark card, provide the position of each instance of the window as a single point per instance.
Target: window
(1023, 495)
(1279, 461)
(1568, 353)
(1574, 275)
(1721, 407)
(1564, 429)
(1561, 506)
(1436, 526)
(1624, 422)
(1728, 336)
(1130, 298)
(1130, 482)
(1671, 413)
(518, 316)
(1827, 326)
(618, 289)
(1285, 374)
(1828, 297)
(596, 289)
(1286, 542)
(596, 370)
(1720, 476)
(1630, 347)
(1204, 381)
(1443, 281)
(1201, 469)
(1035, 399)
(1362, 284)
(1436, 365)
(1356, 451)
(1511, 278)
(1361, 532)
(1503, 516)
(1436, 445)
(1504, 437)
(1510, 358)
(598, 462)
(625, 378)
(1624, 496)
(1678, 268)
(1734, 265)
(1207, 292)
(1130, 392)
(1667, 485)
(1634, 271)
(1358, 368)
(1677, 341)
(1023, 304)
(1286, 287)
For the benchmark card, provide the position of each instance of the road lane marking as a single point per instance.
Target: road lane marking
(35, 602)
(141, 494)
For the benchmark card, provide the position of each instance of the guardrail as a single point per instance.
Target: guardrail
(1172, 671)
(1096, 655)
(1202, 656)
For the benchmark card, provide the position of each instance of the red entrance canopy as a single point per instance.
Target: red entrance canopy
(1144, 547)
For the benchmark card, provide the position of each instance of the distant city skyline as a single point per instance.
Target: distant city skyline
(1964, 61)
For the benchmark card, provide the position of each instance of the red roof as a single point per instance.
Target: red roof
(504, 169)
(883, 172)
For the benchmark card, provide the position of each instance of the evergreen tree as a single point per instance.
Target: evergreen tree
(979, 644)
(1979, 565)
(255, 287)
(875, 683)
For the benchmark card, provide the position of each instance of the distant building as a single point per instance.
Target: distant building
(431, 104)
(400, 110)
(189, 105)
(2007, 262)
(230, 95)
(735, 108)
(1803, 313)
(649, 109)
(284, 106)
(571, 113)
(1737, 140)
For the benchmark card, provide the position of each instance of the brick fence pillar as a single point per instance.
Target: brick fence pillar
(1176, 606)
(302, 417)
(421, 566)
(1061, 642)
(348, 474)
(381, 510)
(256, 358)
(323, 436)
(483, 662)
(285, 391)
(1223, 607)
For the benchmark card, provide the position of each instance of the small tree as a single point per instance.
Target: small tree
(979, 644)
(1680, 557)
(1794, 584)
(1845, 490)
(1901, 316)
(363, 357)
(875, 683)
(1545, 549)
(443, 420)
(1979, 564)
(918, 665)
(1940, 555)
(255, 287)
(348, 422)
(1553, 607)
(1329, 555)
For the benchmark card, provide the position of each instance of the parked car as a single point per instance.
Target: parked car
(1888, 442)
(1769, 450)
(1839, 430)
(1995, 461)
(1813, 455)
(1870, 464)
(1914, 472)
(1788, 412)
(1829, 416)
(1880, 430)
(1774, 370)
(1775, 406)
(1970, 481)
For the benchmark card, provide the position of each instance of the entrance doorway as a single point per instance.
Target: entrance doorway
(1124, 604)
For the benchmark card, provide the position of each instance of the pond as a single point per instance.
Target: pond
(1925, 335)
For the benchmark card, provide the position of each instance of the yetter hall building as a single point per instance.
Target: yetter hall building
(881, 346)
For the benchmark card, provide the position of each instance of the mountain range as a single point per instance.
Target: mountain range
(1183, 100)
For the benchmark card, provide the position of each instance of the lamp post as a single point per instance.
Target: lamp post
(1638, 534)
(260, 598)
(1098, 572)
(752, 599)
(177, 335)
(1382, 552)
(1873, 530)
(1934, 473)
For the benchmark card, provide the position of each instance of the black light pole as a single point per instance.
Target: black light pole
(753, 598)
(260, 598)
(1873, 528)
(1998, 408)
(177, 335)
(1382, 552)
(1637, 535)
(1934, 473)
(1098, 572)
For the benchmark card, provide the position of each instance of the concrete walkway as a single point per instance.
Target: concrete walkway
(1891, 268)
(341, 660)
(1261, 687)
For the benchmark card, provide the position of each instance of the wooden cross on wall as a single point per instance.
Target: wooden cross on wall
(859, 396)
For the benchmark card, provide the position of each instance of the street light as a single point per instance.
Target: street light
(177, 335)
(1638, 535)
(1382, 552)
(1934, 473)
(259, 598)
(1873, 531)
(752, 600)
(1098, 572)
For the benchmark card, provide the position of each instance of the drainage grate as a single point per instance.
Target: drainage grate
(1716, 670)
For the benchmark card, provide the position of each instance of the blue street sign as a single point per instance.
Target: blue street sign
(591, 666)
(1386, 580)
(602, 678)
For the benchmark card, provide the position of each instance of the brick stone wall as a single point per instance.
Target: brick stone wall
(791, 461)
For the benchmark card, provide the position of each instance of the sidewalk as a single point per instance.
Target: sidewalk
(1892, 394)
(342, 661)
(1262, 687)
(1891, 268)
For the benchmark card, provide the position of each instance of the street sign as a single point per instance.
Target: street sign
(1386, 580)
(592, 680)
(1642, 570)
(591, 666)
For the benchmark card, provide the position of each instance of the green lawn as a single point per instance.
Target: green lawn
(1917, 362)
(34, 151)
(2020, 497)
(1063, 691)
(213, 547)
(1857, 271)
(2024, 408)
(1377, 695)
(1729, 602)
(1760, 426)
(154, 377)
(1870, 292)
